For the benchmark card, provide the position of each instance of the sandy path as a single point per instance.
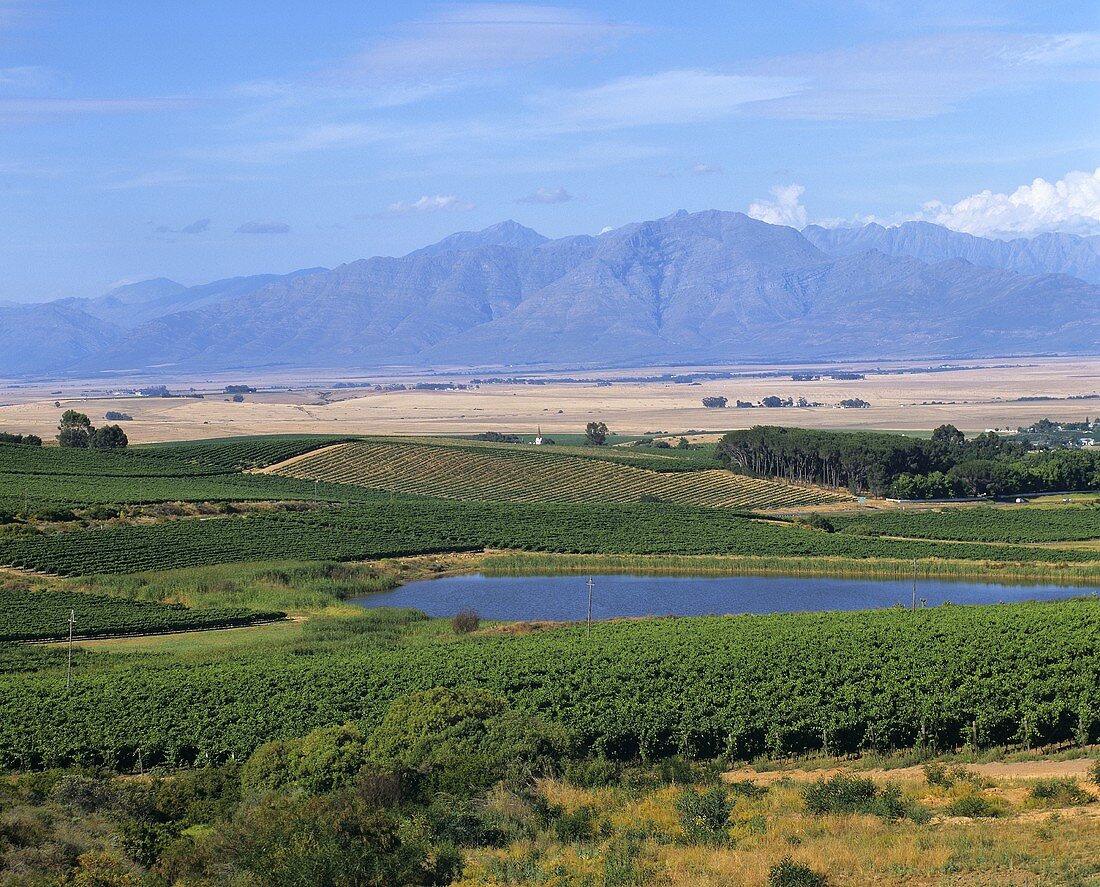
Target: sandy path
(1078, 768)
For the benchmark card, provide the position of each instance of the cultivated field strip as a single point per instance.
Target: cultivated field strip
(527, 476)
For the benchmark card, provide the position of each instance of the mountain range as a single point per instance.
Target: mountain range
(707, 287)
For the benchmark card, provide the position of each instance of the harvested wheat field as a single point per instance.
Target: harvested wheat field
(973, 396)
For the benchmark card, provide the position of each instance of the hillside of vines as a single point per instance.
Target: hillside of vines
(44, 614)
(739, 686)
(529, 475)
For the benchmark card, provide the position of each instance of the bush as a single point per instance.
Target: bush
(852, 794)
(816, 521)
(576, 825)
(704, 816)
(788, 873)
(936, 773)
(462, 740)
(591, 773)
(322, 760)
(1064, 792)
(974, 806)
(1094, 773)
(465, 621)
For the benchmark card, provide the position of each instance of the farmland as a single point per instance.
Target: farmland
(40, 615)
(232, 534)
(981, 524)
(406, 526)
(513, 474)
(740, 686)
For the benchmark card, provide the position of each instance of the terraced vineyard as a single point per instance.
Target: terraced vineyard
(515, 475)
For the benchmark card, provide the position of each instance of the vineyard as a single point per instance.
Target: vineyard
(983, 524)
(403, 526)
(742, 686)
(524, 475)
(237, 453)
(42, 615)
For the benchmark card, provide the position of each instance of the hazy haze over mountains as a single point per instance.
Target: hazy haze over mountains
(709, 286)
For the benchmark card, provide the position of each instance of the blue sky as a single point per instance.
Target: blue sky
(207, 139)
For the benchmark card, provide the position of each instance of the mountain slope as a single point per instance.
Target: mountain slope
(710, 286)
(1044, 254)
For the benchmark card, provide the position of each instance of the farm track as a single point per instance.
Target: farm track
(518, 476)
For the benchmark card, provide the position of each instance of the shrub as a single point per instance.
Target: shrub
(1094, 773)
(816, 521)
(936, 773)
(461, 740)
(591, 773)
(788, 873)
(852, 794)
(974, 806)
(576, 825)
(1064, 792)
(465, 621)
(704, 816)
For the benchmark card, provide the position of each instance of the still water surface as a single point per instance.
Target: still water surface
(566, 597)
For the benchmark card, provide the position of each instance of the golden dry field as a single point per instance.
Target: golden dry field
(983, 395)
(1018, 839)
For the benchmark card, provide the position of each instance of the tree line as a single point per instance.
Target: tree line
(947, 466)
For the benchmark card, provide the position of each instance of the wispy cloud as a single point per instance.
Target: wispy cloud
(263, 227)
(669, 97)
(28, 109)
(546, 196)
(785, 209)
(704, 169)
(197, 227)
(429, 204)
(481, 36)
(923, 76)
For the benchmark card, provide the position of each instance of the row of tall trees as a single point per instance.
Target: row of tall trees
(947, 465)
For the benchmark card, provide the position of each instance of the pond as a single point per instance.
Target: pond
(565, 598)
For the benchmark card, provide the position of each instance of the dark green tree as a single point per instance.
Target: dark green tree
(948, 434)
(595, 434)
(109, 437)
(75, 430)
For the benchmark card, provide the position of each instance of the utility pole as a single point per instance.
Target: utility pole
(588, 630)
(69, 673)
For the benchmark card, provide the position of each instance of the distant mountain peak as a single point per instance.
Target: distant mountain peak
(508, 233)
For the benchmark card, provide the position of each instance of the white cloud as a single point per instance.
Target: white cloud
(1071, 204)
(784, 210)
(546, 196)
(704, 169)
(429, 204)
(670, 97)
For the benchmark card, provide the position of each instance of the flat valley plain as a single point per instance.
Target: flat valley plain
(913, 396)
